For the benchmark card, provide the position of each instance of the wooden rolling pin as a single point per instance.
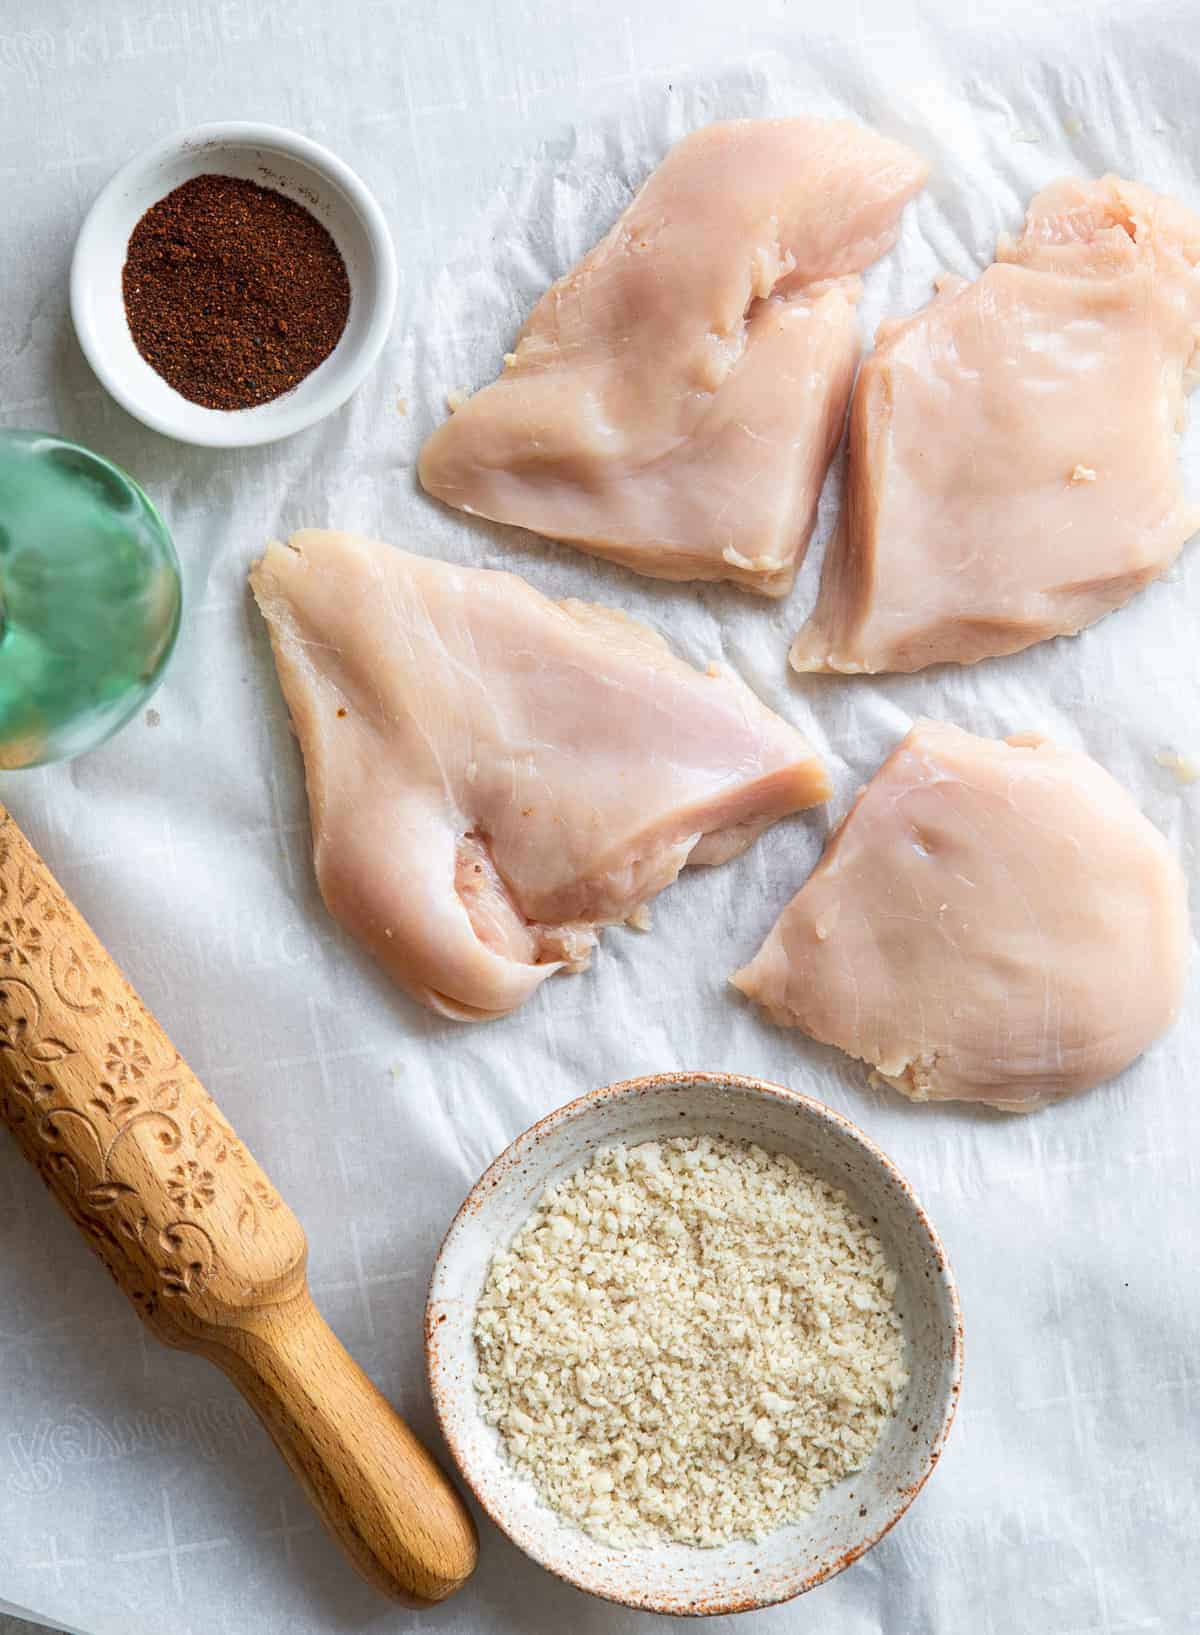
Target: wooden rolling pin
(137, 1153)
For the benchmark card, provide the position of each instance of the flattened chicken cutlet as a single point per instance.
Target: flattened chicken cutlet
(673, 403)
(493, 776)
(1013, 471)
(995, 921)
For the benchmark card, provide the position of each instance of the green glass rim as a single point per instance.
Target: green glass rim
(168, 647)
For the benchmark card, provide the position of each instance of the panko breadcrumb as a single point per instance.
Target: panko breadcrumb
(688, 1340)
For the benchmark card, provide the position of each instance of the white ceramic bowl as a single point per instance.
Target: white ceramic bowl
(275, 158)
(850, 1517)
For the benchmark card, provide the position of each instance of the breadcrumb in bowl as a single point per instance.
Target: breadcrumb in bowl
(740, 1574)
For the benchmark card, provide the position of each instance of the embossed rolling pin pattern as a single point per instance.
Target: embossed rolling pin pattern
(137, 1153)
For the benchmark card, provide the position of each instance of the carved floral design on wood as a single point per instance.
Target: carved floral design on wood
(20, 941)
(138, 1098)
(189, 1186)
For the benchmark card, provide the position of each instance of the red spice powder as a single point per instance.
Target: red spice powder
(233, 292)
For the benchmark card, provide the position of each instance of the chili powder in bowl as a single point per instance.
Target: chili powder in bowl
(233, 285)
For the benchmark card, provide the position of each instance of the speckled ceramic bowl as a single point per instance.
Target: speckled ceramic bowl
(852, 1516)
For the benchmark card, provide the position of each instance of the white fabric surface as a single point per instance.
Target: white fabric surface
(136, 1495)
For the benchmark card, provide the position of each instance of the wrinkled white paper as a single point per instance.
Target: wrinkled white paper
(136, 1493)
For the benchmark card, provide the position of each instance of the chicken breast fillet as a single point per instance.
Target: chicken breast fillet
(994, 921)
(673, 403)
(493, 776)
(1012, 469)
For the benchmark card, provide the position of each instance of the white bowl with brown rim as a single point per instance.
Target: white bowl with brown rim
(289, 164)
(851, 1516)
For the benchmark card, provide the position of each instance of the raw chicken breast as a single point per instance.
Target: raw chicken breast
(1012, 467)
(491, 775)
(674, 401)
(994, 921)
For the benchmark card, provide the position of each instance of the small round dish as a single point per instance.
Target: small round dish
(853, 1515)
(290, 164)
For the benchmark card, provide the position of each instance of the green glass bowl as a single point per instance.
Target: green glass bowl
(90, 598)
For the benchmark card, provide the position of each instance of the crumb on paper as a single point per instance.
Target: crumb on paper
(1025, 136)
(152, 718)
(1083, 474)
(1073, 126)
(402, 405)
(1186, 770)
(640, 918)
(456, 398)
(509, 359)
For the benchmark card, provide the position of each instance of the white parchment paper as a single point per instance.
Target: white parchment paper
(136, 1494)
